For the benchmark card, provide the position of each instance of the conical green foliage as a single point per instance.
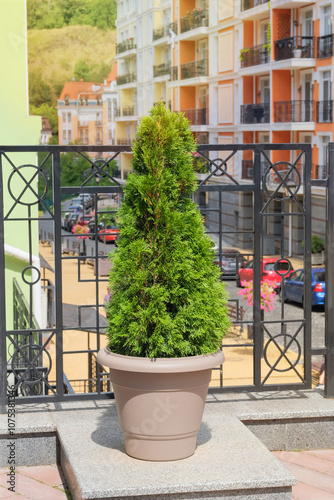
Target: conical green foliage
(167, 299)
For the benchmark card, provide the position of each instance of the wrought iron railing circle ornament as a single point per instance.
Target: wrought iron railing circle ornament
(290, 181)
(13, 182)
(279, 271)
(101, 169)
(34, 357)
(293, 364)
(32, 268)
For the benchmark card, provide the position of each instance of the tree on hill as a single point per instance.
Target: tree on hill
(47, 14)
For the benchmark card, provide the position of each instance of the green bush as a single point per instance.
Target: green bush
(317, 244)
(166, 296)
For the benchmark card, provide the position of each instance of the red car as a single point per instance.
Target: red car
(268, 272)
(108, 234)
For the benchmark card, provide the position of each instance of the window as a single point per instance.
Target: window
(64, 117)
(64, 135)
(327, 20)
(69, 118)
(109, 109)
(86, 136)
(69, 135)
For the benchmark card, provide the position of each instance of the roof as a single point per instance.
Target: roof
(113, 74)
(75, 90)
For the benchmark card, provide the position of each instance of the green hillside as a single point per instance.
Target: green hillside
(54, 53)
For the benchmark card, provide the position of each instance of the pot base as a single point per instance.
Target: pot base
(161, 450)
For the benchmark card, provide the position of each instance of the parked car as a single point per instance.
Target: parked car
(86, 199)
(268, 271)
(293, 288)
(83, 220)
(108, 233)
(231, 261)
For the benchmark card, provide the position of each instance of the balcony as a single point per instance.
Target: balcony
(175, 73)
(196, 19)
(293, 111)
(127, 78)
(320, 172)
(250, 4)
(165, 31)
(126, 111)
(324, 111)
(126, 45)
(253, 56)
(161, 70)
(294, 47)
(247, 168)
(194, 69)
(255, 113)
(196, 116)
(324, 46)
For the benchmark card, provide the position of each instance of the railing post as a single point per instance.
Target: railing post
(329, 263)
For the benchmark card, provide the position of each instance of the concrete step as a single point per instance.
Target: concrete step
(230, 462)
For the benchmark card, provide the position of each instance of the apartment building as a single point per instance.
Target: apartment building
(86, 111)
(243, 71)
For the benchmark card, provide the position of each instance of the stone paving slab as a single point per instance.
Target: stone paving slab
(96, 465)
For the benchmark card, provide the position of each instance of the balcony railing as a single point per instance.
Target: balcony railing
(175, 73)
(194, 69)
(161, 69)
(165, 31)
(247, 168)
(125, 142)
(195, 19)
(125, 111)
(293, 111)
(255, 113)
(196, 116)
(294, 47)
(252, 56)
(324, 46)
(250, 4)
(324, 111)
(320, 172)
(124, 79)
(128, 44)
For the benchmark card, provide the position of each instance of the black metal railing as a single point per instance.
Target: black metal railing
(325, 46)
(221, 188)
(252, 56)
(167, 30)
(194, 69)
(127, 78)
(195, 19)
(175, 73)
(250, 4)
(255, 113)
(128, 44)
(161, 69)
(324, 111)
(293, 111)
(294, 47)
(196, 116)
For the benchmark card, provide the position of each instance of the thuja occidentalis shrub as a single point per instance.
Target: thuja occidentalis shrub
(166, 296)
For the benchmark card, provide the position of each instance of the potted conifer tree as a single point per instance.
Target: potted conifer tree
(167, 312)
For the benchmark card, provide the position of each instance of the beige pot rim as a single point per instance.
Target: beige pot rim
(159, 365)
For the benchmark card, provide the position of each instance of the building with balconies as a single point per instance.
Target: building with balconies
(86, 112)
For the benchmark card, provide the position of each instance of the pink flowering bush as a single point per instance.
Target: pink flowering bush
(267, 294)
(80, 231)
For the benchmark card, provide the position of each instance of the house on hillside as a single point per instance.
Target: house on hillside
(87, 110)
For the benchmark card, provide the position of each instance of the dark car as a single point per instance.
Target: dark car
(92, 227)
(293, 287)
(230, 261)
